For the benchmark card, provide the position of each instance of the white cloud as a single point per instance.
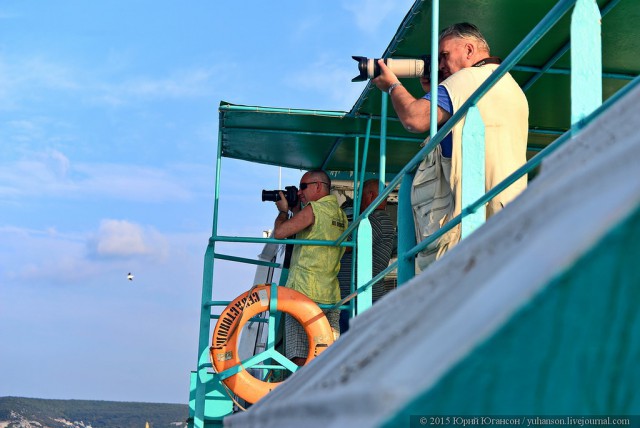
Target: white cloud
(52, 174)
(24, 79)
(197, 82)
(48, 256)
(121, 238)
(43, 255)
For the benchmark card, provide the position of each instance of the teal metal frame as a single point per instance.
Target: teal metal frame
(586, 103)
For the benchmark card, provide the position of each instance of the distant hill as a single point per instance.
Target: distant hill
(17, 412)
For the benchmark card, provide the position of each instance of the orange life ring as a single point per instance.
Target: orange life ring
(224, 348)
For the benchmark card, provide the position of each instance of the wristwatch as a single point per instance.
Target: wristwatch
(392, 87)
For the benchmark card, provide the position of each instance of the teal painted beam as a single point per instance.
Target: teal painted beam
(383, 138)
(216, 303)
(351, 308)
(356, 172)
(273, 308)
(365, 287)
(216, 404)
(586, 59)
(406, 230)
(245, 239)
(435, 41)
(245, 260)
(205, 311)
(364, 266)
(543, 131)
(328, 158)
(256, 109)
(251, 362)
(251, 320)
(357, 191)
(230, 130)
(473, 169)
(567, 71)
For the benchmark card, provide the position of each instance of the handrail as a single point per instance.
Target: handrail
(526, 168)
(244, 239)
(256, 109)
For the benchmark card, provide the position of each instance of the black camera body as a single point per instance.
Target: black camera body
(413, 67)
(290, 194)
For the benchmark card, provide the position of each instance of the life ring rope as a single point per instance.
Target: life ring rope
(258, 299)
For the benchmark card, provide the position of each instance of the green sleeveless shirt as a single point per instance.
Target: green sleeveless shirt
(314, 268)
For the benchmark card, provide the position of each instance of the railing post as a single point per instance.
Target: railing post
(473, 173)
(406, 231)
(586, 60)
(205, 310)
(435, 20)
(383, 139)
(364, 265)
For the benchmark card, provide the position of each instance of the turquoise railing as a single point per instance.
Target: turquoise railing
(586, 75)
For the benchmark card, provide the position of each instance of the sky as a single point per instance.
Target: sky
(108, 135)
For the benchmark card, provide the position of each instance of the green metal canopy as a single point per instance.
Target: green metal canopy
(308, 139)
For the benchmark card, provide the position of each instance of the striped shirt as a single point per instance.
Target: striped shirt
(383, 238)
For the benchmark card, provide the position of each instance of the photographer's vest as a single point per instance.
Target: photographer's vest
(505, 114)
(314, 268)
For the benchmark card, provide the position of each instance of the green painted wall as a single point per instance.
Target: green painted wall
(574, 349)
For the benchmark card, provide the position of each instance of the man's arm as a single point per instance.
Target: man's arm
(284, 226)
(415, 114)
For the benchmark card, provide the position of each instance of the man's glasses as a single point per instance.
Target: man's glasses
(305, 185)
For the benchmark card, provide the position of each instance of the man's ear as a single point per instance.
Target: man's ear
(470, 50)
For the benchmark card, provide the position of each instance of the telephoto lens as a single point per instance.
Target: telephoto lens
(370, 69)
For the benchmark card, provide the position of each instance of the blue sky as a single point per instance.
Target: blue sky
(108, 131)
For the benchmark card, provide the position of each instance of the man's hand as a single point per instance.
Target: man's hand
(425, 82)
(386, 78)
(282, 204)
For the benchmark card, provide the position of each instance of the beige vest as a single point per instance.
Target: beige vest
(436, 193)
(505, 114)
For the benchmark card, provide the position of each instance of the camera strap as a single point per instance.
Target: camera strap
(489, 60)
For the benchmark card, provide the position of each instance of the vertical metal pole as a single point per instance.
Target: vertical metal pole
(365, 152)
(383, 142)
(586, 60)
(352, 282)
(205, 310)
(364, 241)
(435, 18)
(473, 169)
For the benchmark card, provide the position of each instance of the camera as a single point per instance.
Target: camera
(290, 194)
(369, 67)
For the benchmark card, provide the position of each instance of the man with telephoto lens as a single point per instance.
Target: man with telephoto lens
(465, 63)
(314, 268)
